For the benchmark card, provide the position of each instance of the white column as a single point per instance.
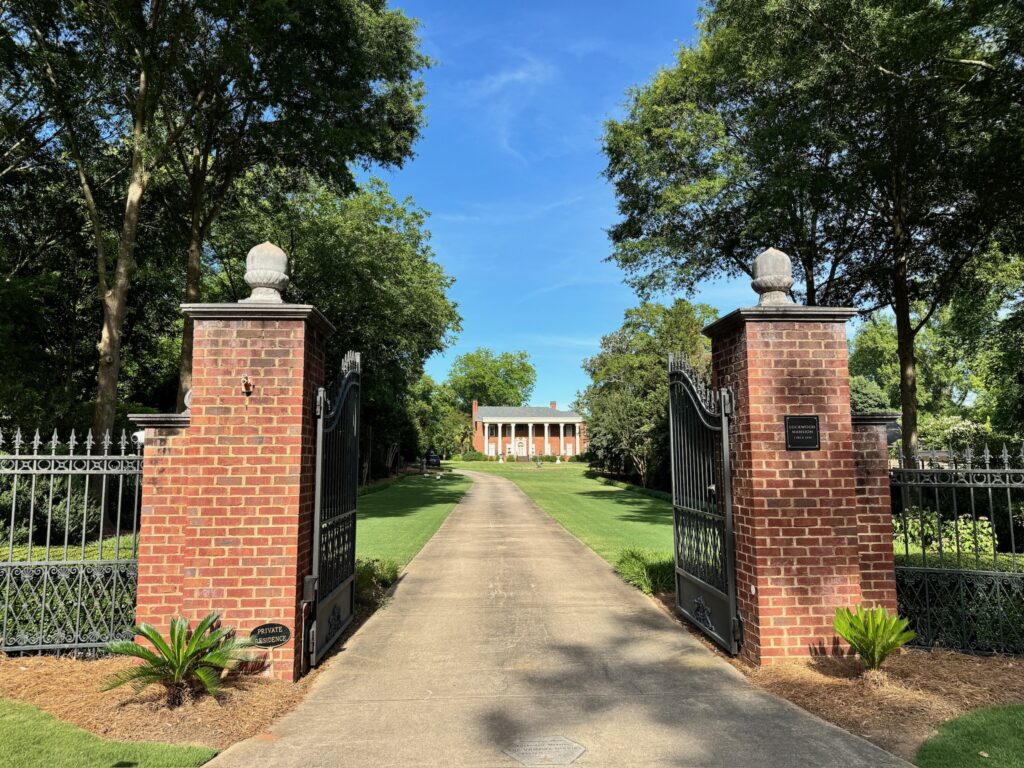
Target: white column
(497, 449)
(561, 439)
(547, 449)
(576, 439)
(529, 440)
(512, 442)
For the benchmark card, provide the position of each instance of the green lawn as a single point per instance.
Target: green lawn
(30, 738)
(998, 732)
(606, 518)
(92, 550)
(395, 523)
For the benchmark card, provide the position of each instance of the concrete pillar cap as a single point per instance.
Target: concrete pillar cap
(773, 277)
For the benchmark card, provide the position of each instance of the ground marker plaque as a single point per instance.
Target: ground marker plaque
(545, 750)
(270, 635)
(802, 433)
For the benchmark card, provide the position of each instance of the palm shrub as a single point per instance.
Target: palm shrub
(186, 663)
(872, 632)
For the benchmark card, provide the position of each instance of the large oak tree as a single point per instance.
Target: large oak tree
(878, 142)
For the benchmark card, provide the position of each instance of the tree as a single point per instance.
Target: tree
(878, 142)
(440, 424)
(626, 402)
(134, 93)
(490, 379)
(365, 261)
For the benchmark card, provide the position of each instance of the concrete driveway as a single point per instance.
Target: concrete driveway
(506, 632)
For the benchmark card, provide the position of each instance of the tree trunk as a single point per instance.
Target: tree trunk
(115, 302)
(193, 293)
(908, 364)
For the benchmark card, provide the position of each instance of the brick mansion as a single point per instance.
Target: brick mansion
(528, 431)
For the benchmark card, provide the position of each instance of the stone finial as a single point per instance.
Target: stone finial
(773, 277)
(266, 273)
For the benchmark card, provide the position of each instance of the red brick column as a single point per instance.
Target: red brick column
(794, 511)
(227, 500)
(871, 455)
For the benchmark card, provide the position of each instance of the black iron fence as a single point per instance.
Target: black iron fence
(958, 525)
(69, 517)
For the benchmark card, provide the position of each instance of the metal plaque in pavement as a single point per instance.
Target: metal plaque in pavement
(545, 750)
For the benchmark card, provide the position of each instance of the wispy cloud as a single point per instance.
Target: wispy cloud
(561, 342)
(528, 71)
(509, 213)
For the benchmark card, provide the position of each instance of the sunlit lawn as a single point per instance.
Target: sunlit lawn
(606, 518)
(30, 738)
(110, 550)
(396, 522)
(993, 738)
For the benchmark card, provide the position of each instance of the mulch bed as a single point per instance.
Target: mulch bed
(68, 688)
(923, 689)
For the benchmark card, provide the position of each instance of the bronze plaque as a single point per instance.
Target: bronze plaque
(270, 635)
(802, 433)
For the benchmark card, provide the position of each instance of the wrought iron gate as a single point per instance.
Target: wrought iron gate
(702, 504)
(331, 586)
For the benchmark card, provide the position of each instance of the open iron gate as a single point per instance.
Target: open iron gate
(702, 504)
(331, 586)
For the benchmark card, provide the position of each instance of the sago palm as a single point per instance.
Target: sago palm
(872, 633)
(185, 663)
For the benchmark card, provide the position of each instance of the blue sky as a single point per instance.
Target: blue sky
(510, 167)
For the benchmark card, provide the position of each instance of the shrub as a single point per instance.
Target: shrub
(186, 663)
(866, 396)
(547, 458)
(373, 579)
(923, 530)
(473, 456)
(872, 633)
(649, 571)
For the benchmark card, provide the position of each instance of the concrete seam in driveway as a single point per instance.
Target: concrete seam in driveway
(506, 627)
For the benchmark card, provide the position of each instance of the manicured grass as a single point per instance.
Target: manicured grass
(92, 550)
(30, 738)
(605, 517)
(395, 523)
(998, 732)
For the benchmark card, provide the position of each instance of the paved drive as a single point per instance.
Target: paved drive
(507, 627)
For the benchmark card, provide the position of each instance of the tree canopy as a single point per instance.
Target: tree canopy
(626, 402)
(878, 143)
(173, 101)
(492, 379)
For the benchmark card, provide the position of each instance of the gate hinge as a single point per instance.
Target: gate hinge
(309, 589)
(727, 401)
(321, 398)
(737, 630)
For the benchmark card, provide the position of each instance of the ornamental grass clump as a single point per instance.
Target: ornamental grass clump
(650, 572)
(874, 634)
(186, 664)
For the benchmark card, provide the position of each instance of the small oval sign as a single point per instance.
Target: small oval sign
(270, 635)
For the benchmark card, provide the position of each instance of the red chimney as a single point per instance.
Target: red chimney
(554, 406)
(476, 407)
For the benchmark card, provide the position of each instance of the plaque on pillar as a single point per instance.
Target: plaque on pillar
(802, 433)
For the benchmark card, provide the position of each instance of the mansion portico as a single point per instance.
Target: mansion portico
(528, 431)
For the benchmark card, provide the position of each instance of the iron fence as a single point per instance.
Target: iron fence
(958, 525)
(70, 513)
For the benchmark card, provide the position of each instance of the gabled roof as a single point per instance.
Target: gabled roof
(525, 413)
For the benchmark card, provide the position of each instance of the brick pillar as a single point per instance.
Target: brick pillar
(794, 511)
(228, 489)
(871, 457)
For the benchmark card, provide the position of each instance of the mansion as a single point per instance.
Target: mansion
(527, 432)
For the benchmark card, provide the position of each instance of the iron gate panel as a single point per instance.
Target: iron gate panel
(334, 523)
(69, 517)
(958, 523)
(702, 504)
